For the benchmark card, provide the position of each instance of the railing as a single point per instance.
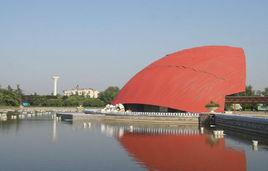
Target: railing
(163, 114)
(246, 99)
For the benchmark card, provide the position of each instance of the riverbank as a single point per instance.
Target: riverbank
(170, 120)
(74, 109)
(257, 125)
(250, 113)
(33, 109)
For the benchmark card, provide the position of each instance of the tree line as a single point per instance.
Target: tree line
(15, 97)
(10, 97)
(249, 91)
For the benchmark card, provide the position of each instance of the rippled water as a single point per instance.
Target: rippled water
(40, 143)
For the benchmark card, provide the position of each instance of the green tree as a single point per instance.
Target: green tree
(265, 92)
(55, 102)
(248, 92)
(109, 94)
(19, 91)
(12, 97)
(9, 98)
(9, 88)
(258, 93)
(92, 102)
(74, 100)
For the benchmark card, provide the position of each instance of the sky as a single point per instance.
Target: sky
(97, 43)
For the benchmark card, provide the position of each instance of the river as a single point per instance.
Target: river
(41, 143)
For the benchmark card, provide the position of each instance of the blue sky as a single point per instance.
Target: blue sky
(101, 43)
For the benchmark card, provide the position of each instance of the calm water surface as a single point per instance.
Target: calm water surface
(40, 143)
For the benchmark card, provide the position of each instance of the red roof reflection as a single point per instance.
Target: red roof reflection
(183, 152)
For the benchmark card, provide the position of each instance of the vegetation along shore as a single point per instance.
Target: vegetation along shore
(10, 97)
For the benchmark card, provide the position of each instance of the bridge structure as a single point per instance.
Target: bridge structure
(246, 99)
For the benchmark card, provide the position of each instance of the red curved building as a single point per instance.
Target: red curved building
(187, 80)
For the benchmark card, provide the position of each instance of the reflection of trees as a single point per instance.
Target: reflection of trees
(10, 123)
(212, 141)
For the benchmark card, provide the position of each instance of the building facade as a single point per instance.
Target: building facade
(87, 92)
(186, 80)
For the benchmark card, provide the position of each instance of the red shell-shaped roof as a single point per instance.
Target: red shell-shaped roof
(189, 79)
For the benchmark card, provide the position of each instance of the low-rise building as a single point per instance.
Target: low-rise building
(87, 92)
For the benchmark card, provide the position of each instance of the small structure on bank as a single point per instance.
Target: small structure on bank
(113, 108)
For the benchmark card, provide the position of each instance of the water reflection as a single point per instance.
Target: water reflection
(178, 148)
(183, 152)
(152, 147)
(120, 130)
(54, 130)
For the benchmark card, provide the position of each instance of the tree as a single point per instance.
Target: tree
(109, 94)
(248, 92)
(258, 93)
(9, 88)
(8, 98)
(55, 102)
(91, 102)
(265, 92)
(19, 90)
(73, 101)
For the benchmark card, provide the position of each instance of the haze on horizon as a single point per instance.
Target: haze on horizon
(101, 43)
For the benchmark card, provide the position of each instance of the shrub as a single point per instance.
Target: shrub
(109, 94)
(212, 104)
(90, 102)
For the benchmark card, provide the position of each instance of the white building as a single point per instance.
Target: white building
(87, 92)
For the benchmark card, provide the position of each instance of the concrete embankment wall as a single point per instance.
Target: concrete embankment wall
(128, 118)
(32, 109)
(243, 123)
